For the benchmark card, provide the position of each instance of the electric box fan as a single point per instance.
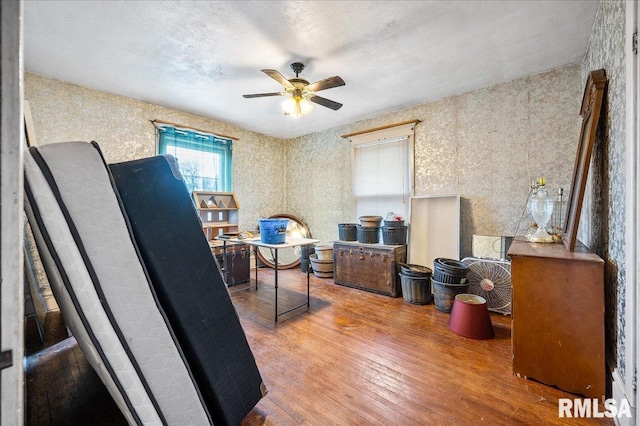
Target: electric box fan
(490, 279)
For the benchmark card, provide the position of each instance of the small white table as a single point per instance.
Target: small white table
(289, 242)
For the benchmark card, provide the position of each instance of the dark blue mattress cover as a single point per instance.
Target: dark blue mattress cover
(189, 285)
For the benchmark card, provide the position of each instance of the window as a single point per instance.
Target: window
(204, 159)
(382, 164)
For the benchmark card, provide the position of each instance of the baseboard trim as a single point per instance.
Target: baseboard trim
(618, 393)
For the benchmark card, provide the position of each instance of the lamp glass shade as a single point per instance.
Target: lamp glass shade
(296, 107)
(289, 106)
(470, 317)
(305, 106)
(541, 209)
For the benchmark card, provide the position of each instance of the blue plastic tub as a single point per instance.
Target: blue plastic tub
(273, 231)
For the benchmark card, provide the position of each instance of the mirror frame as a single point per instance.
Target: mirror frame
(590, 112)
(265, 255)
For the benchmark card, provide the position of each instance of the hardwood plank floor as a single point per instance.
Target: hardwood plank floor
(63, 390)
(361, 358)
(354, 358)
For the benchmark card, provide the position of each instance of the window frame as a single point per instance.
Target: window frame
(219, 144)
(385, 135)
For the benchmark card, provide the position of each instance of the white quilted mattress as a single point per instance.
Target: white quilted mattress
(102, 287)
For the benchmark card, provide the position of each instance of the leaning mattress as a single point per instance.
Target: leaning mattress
(189, 285)
(103, 288)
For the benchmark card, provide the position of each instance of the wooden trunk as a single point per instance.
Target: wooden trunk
(558, 317)
(371, 267)
(237, 267)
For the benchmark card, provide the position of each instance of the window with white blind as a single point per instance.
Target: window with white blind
(382, 165)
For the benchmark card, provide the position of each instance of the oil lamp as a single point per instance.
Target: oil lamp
(541, 209)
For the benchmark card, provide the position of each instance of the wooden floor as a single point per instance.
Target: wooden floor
(62, 388)
(354, 358)
(362, 358)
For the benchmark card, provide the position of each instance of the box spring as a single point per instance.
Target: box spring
(189, 285)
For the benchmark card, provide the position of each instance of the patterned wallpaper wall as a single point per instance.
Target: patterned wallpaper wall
(603, 219)
(487, 145)
(123, 129)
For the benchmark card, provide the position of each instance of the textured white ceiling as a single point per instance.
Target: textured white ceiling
(202, 56)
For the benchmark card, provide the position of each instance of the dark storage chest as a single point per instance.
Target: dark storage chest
(371, 267)
(237, 267)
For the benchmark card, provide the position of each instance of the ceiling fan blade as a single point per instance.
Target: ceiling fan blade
(325, 102)
(327, 83)
(262, 95)
(279, 78)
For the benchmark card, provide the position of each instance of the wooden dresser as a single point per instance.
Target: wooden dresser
(558, 317)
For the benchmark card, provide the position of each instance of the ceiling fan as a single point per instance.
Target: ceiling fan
(300, 92)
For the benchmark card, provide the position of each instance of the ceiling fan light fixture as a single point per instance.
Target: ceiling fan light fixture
(300, 93)
(296, 106)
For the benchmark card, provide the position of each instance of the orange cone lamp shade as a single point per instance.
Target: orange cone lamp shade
(470, 317)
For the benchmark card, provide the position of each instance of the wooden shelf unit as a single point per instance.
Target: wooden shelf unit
(218, 212)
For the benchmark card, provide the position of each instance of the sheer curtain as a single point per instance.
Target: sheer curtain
(205, 160)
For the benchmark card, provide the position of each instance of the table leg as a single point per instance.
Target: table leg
(224, 263)
(255, 255)
(308, 267)
(274, 253)
(276, 279)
